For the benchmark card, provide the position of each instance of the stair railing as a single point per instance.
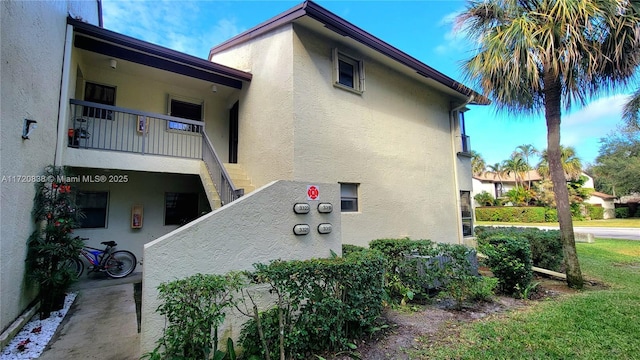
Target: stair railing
(221, 179)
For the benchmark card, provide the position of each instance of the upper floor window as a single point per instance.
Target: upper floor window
(185, 110)
(464, 146)
(348, 72)
(101, 94)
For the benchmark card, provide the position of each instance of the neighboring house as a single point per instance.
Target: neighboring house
(305, 96)
(498, 186)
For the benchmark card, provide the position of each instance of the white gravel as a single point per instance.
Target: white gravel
(35, 341)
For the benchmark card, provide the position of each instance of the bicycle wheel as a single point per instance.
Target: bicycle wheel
(76, 266)
(120, 264)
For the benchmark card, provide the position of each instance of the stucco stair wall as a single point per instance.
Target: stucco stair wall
(209, 187)
(239, 177)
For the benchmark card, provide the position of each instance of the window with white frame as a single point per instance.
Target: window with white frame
(349, 197)
(348, 72)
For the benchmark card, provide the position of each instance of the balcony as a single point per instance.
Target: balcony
(110, 137)
(103, 127)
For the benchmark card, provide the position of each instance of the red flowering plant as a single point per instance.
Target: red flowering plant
(52, 246)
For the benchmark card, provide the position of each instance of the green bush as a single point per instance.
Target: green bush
(509, 258)
(595, 212)
(485, 199)
(348, 249)
(402, 278)
(323, 303)
(415, 267)
(194, 309)
(551, 215)
(510, 214)
(622, 213)
(546, 245)
(484, 289)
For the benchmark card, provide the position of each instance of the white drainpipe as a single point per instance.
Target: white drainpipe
(64, 97)
(455, 167)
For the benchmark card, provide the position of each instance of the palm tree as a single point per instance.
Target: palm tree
(571, 164)
(539, 55)
(517, 166)
(526, 151)
(631, 109)
(498, 171)
(478, 165)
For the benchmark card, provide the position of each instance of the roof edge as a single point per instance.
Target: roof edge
(345, 28)
(156, 50)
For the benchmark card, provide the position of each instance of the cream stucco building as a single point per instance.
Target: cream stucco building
(157, 138)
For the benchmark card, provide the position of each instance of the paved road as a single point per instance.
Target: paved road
(605, 232)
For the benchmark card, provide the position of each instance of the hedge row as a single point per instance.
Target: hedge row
(511, 214)
(323, 304)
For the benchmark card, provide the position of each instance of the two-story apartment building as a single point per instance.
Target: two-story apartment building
(156, 137)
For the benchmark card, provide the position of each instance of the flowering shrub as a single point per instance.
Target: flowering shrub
(51, 245)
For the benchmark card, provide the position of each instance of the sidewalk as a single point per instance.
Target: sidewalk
(101, 324)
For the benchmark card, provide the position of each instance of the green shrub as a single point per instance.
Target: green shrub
(595, 212)
(194, 309)
(415, 267)
(546, 245)
(509, 258)
(402, 278)
(551, 215)
(484, 289)
(510, 214)
(323, 303)
(485, 199)
(348, 249)
(622, 213)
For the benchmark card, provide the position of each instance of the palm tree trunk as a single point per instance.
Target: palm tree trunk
(553, 116)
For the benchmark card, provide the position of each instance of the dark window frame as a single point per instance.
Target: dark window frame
(466, 213)
(101, 94)
(185, 207)
(187, 110)
(92, 215)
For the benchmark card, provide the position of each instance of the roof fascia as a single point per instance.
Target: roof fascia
(155, 50)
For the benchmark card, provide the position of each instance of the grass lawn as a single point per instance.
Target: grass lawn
(594, 324)
(622, 223)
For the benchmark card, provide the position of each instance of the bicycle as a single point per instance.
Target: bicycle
(117, 264)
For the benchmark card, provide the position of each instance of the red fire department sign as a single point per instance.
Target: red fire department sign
(313, 193)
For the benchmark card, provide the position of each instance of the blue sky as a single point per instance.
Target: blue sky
(423, 29)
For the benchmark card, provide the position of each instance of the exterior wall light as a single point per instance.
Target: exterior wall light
(27, 129)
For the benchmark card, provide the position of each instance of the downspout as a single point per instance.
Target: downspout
(452, 124)
(64, 98)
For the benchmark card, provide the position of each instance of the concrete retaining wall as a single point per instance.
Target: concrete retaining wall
(254, 229)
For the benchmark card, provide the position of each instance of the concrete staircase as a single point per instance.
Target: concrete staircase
(209, 187)
(239, 177)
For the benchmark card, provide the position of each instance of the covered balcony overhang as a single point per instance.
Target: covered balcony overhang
(114, 45)
(139, 128)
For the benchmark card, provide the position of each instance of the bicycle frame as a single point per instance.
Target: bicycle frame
(93, 255)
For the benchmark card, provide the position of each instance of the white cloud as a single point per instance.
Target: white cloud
(186, 26)
(454, 39)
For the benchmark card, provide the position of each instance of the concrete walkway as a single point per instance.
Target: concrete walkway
(101, 324)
